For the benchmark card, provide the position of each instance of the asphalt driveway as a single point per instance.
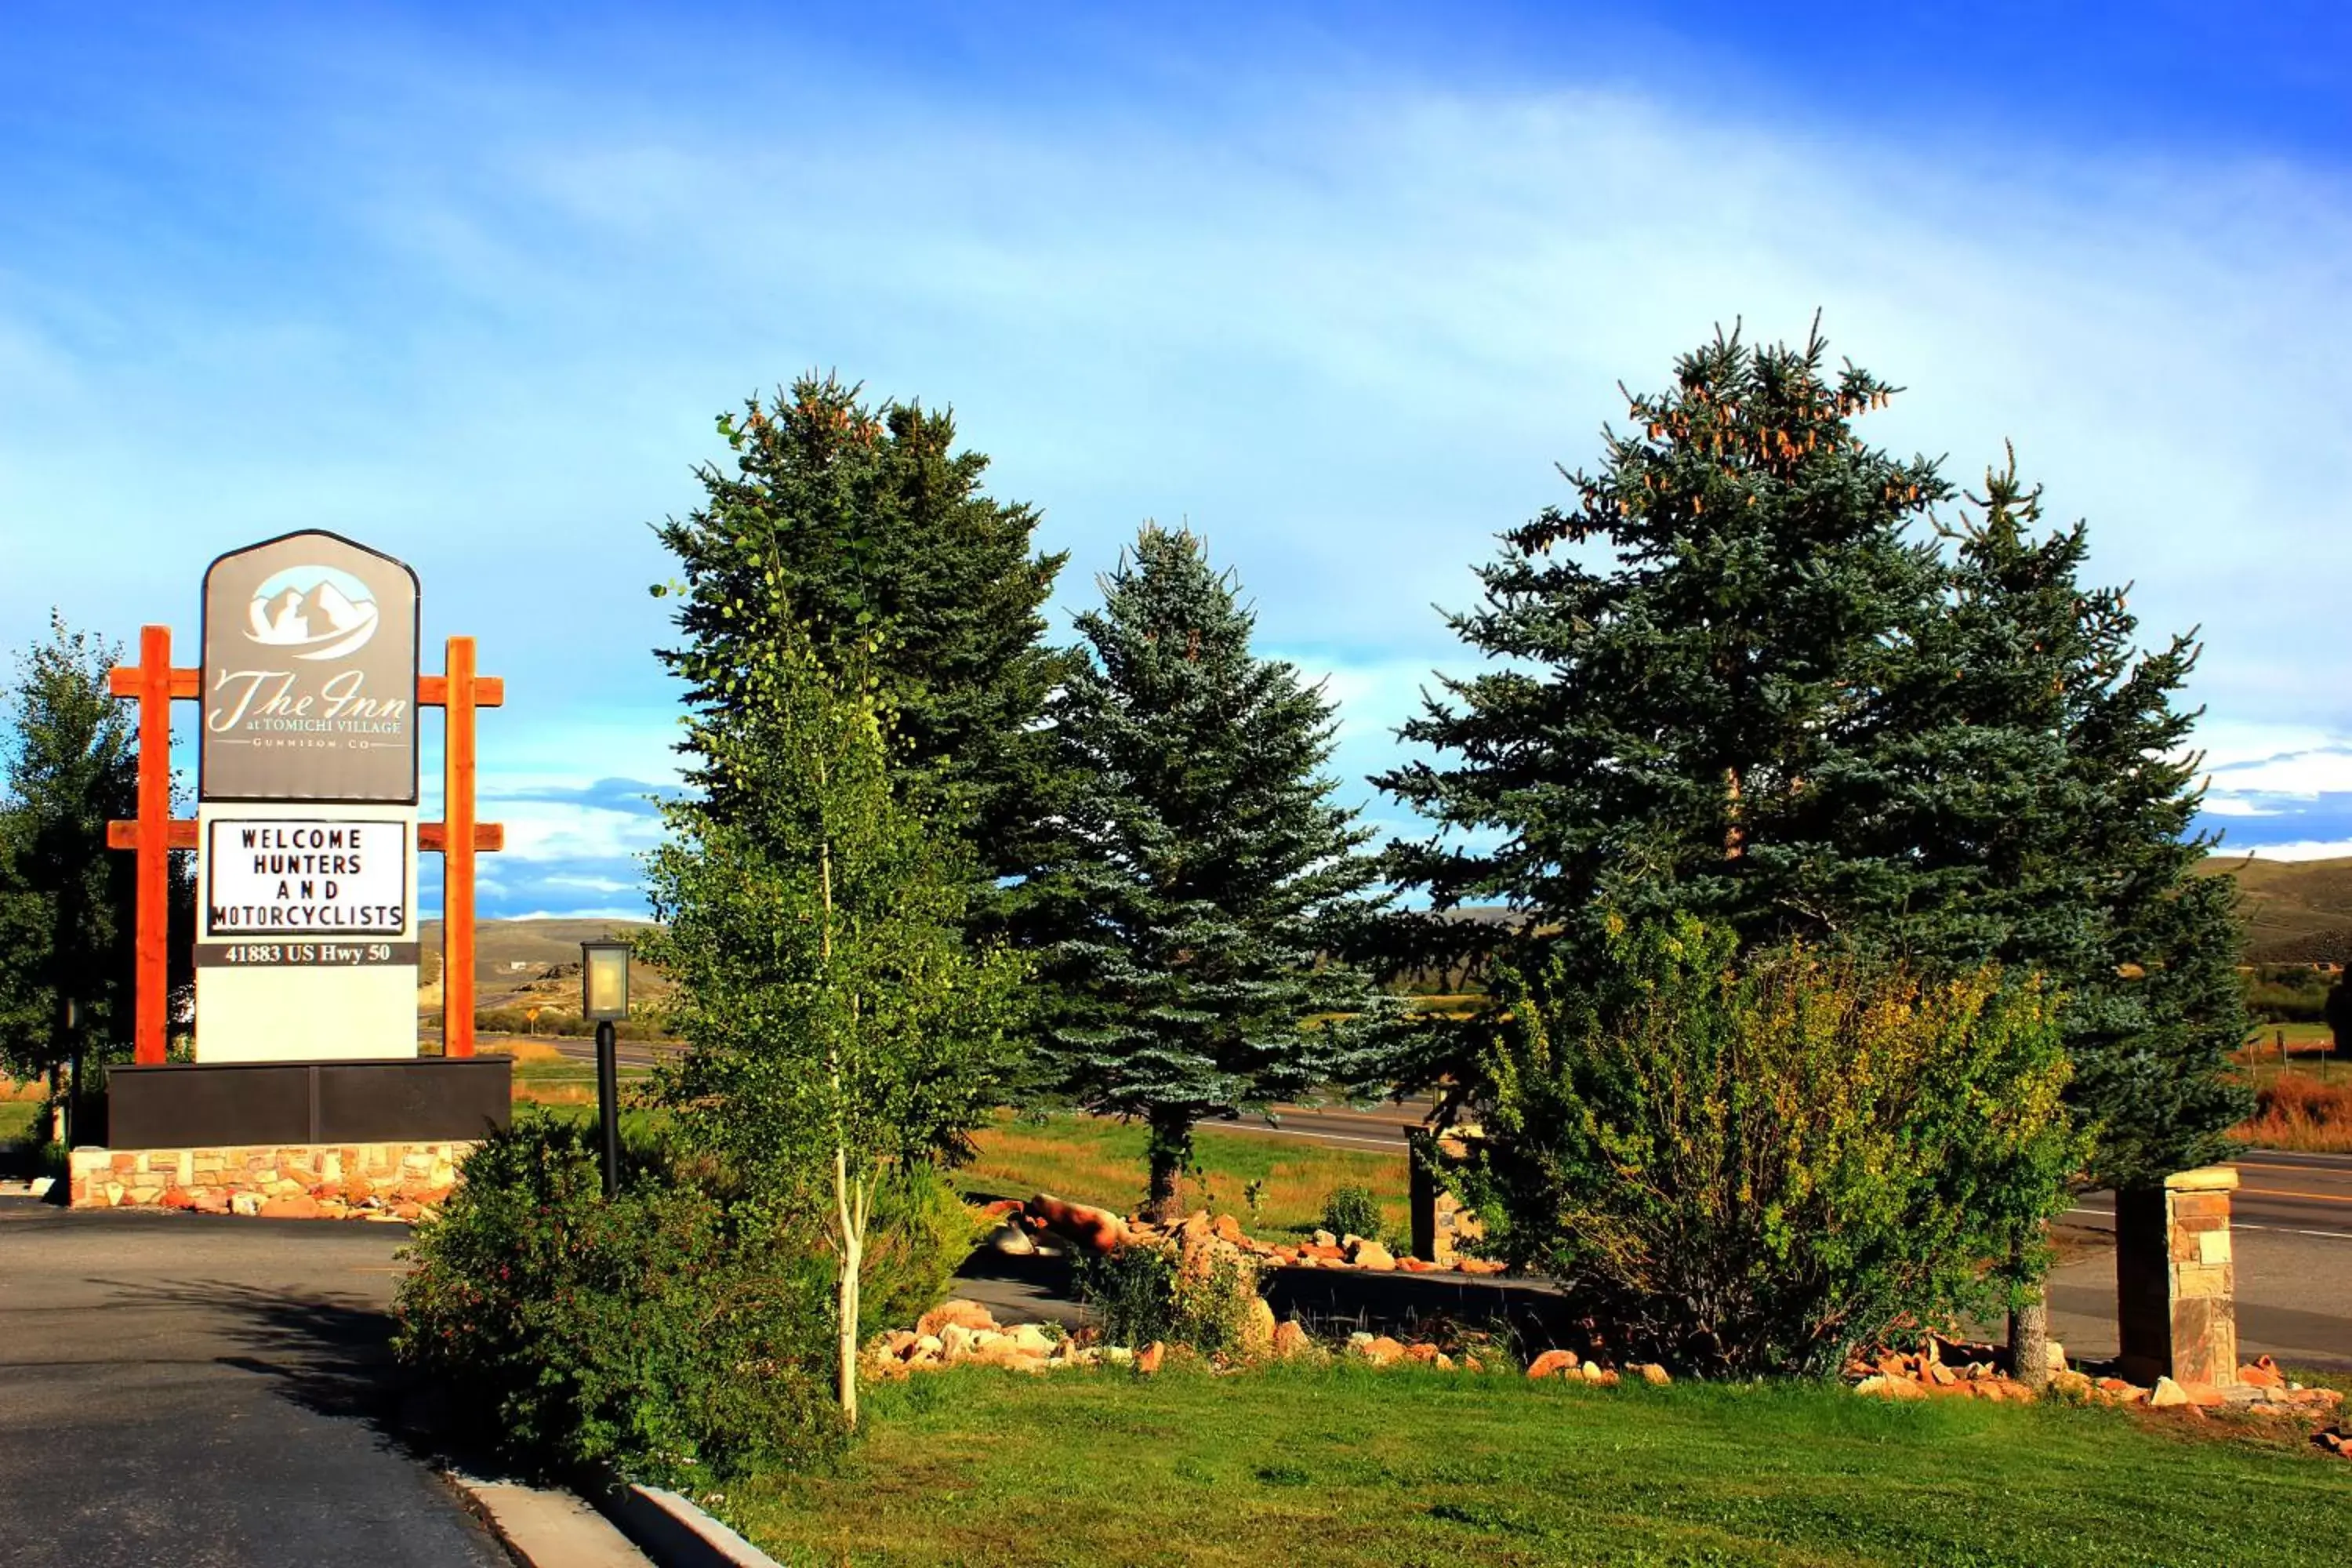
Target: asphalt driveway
(209, 1394)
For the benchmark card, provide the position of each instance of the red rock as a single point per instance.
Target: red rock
(964, 1314)
(177, 1198)
(1228, 1228)
(1384, 1352)
(358, 1190)
(2263, 1373)
(1416, 1265)
(1480, 1265)
(1424, 1352)
(1653, 1373)
(1329, 1254)
(1554, 1363)
(1290, 1340)
(1148, 1359)
(291, 1209)
(1098, 1230)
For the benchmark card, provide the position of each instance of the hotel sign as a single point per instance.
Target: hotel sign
(285, 877)
(310, 674)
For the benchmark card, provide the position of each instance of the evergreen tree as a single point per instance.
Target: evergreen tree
(1776, 701)
(67, 903)
(838, 1030)
(884, 541)
(1682, 715)
(1202, 886)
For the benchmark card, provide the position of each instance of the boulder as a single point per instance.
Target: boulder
(1651, 1373)
(1383, 1351)
(1879, 1385)
(966, 1314)
(1325, 1239)
(1553, 1363)
(1258, 1328)
(1228, 1228)
(1031, 1339)
(2168, 1395)
(1151, 1357)
(1425, 1353)
(2263, 1373)
(1290, 1340)
(1012, 1240)
(1098, 1230)
(955, 1344)
(1371, 1254)
(301, 1207)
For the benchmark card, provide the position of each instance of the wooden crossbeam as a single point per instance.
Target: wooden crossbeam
(187, 686)
(431, 837)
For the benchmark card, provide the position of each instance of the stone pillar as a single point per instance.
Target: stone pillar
(1439, 1223)
(2176, 1285)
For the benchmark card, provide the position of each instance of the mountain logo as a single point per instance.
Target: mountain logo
(312, 612)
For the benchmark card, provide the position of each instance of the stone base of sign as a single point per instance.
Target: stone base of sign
(310, 1180)
(2176, 1281)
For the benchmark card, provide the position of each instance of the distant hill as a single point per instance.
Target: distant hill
(518, 959)
(2297, 912)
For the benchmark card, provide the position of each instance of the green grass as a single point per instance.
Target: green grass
(1301, 1467)
(1102, 1162)
(17, 1119)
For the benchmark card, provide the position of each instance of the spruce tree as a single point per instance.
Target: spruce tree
(67, 903)
(881, 537)
(1682, 712)
(1753, 677)
(1203, 885)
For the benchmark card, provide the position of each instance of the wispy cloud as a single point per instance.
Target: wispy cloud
(1343, 320)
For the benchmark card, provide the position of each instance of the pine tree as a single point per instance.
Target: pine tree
(1682, 716)
(1203, 885)
(2061, 838)
(1779, 703)
(67, 903)
(838, 1029)
(885, 541)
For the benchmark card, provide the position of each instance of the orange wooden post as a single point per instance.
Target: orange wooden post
(458, 853)
(153, 942)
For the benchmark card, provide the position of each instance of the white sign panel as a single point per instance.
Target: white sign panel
(307, 950)
(288, 878)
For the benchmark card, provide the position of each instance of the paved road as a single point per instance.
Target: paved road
(206, 1393)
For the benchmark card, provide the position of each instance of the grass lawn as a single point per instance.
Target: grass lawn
(1102, 1162)
(16, 1118)
(1300, 1466)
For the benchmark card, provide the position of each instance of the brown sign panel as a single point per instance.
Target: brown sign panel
(310, 674)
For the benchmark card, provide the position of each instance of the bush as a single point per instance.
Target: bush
(920, 1235)
(679, 1338)
(1353, 1211)
(2286, 993)
(2295, 1111)
(1202, 1296)
(1755, 1171)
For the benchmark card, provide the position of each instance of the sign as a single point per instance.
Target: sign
(310, 674)
(302, 877)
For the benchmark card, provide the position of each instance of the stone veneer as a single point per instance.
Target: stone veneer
(2176, 1280)
(348, 1181)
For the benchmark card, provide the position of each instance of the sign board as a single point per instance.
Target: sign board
(294, 876)
(306, 805)
(310, 674)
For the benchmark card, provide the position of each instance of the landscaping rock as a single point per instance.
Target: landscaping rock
(1098, 1230)
(1881, 1386)
(2168, 1395)
(2263, 1373)
(1372, 1256)
(967, 1314)
(1553, 1363)
(1651, 1373)
(1148, 1359)
(1290, 1340)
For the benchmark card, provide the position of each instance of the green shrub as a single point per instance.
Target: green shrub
(678, 1337)
(2286, 993)
(1353, 1211)
(920, 1234)
(1749, 1168)
(1202, 1296)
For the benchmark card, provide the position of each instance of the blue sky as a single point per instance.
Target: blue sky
(1336, 286)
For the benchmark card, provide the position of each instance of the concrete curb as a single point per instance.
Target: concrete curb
(673, 1531)
(546, 1529)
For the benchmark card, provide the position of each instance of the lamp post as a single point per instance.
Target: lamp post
(604, 997)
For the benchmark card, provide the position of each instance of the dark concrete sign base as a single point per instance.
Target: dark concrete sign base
(211, 1105)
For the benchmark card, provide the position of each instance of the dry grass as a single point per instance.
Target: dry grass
(2297, 1112)
(1102, 1162)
